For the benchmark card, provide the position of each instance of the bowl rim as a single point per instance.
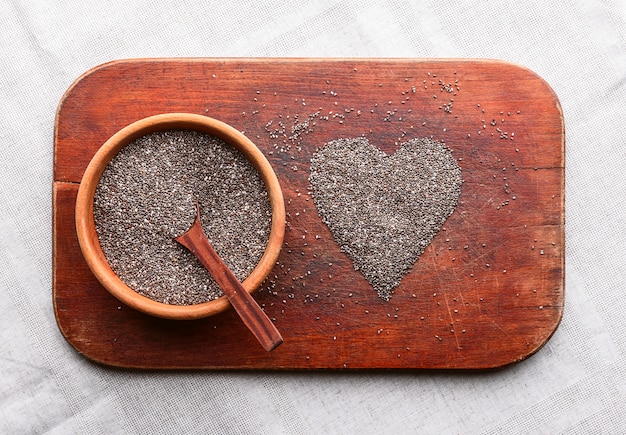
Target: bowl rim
(85, 224)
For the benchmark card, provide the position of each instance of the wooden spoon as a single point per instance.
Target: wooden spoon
(249, 311)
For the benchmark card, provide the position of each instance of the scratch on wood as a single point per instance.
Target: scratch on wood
(456, 338)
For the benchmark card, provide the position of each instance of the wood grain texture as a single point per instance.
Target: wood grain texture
(487, 292)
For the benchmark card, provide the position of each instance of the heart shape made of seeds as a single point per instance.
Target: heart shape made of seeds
(384, 210)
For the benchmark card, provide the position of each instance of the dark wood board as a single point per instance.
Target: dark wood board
(488, 291)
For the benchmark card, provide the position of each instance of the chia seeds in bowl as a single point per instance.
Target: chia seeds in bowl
(139, 192)
(146, 196)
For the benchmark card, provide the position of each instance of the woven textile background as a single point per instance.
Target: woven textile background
(573, 385)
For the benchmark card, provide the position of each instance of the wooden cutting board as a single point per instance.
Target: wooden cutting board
(488, 291)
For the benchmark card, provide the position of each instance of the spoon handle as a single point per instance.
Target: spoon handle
(249, 311)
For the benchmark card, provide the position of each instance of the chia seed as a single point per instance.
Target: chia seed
(384, 210)
(147, 196)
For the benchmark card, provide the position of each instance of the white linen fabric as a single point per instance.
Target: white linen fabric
(574, 385)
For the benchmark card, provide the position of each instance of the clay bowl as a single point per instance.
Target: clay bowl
(86, 230)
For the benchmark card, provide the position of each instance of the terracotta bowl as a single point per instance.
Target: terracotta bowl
(86, 229)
